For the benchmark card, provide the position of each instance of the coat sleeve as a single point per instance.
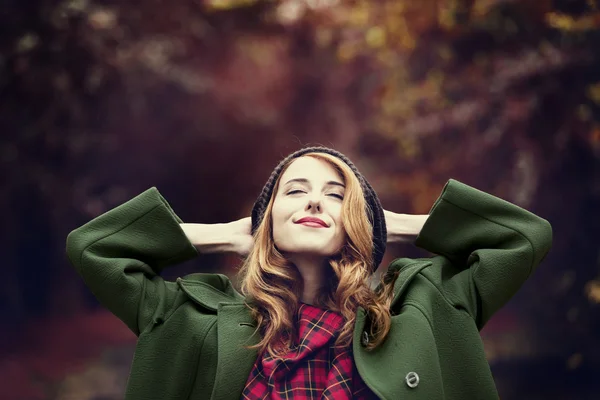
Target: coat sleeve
(493, 246)
(120, 254)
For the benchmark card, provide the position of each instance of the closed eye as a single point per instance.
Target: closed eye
(338, 196)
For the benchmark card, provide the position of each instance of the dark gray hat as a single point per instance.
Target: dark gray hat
(374, 209)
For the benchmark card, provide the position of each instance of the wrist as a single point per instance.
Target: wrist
(402, 228)
(210, 238)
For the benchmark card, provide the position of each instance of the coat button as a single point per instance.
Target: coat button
(412, 379)
(365, 338)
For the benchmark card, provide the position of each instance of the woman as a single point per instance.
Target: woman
(308, 324)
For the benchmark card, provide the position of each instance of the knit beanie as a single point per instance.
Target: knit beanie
(374, 209)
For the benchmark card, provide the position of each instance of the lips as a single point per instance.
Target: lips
(312, 221)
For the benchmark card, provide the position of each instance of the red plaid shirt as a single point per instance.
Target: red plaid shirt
(315, 369)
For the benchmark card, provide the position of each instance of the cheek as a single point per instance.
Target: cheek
(279, 217)
(340, 237)
(278, 224)
(337, 217)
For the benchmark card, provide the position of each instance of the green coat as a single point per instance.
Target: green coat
(190, 332)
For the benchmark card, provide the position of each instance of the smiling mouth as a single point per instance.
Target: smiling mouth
(311, 224)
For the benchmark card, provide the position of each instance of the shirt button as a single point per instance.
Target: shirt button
(365, 338)
(412, 379)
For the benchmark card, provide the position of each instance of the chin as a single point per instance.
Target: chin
(309, 246)
(314, 251)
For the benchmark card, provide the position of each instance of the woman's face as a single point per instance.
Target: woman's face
(306, 212)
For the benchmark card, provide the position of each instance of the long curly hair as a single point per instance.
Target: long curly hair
(275, 285)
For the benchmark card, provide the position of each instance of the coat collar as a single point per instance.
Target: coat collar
(408, 268)
(209, 290)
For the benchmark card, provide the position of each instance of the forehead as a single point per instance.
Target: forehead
(312, 169)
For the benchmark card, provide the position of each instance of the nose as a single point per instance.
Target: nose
(314, 203)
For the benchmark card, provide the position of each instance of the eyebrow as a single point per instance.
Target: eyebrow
(304, 180)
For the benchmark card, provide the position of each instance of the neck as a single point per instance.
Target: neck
(313, 271)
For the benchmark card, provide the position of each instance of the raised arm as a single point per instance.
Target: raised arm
(121, 253)
(492, 245)
(231, 237)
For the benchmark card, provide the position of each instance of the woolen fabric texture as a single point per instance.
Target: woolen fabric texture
(374, 209)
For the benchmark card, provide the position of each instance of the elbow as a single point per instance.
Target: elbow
(542, 239)
(74, 248)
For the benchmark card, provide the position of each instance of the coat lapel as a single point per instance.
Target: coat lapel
(408, 270)
(235, 329)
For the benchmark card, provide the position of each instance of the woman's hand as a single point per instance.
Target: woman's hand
(242, 240)
(231, 237)
(403, 228)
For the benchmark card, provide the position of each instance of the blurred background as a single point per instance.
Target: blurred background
(100, 100)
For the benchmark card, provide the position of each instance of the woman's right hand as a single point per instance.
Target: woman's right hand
(242, 239)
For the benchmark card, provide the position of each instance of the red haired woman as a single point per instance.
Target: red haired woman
(309, 323)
